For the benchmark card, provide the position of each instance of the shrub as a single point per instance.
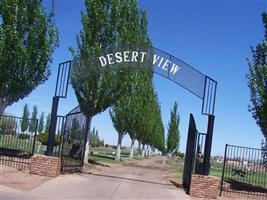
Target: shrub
(179, 154)
(24, 136)
(43, 139)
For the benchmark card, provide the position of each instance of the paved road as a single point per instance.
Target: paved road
(146, 179)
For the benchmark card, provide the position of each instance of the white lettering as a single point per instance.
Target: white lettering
(126, 54)
(160, 61)
(110, 60)
(175, 68)
(143, 55)
(165, 65)
(134, 55)
(103, 61)
(155, 59)
(118, 57)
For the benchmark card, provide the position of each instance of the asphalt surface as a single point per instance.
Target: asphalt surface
(145, 179)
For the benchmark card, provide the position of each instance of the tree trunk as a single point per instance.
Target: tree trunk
(2, 107)
(146, 151)
(39, 146)
(132, 149)
(88, 133)
(139, 149)
(118, 152)
(143, 150)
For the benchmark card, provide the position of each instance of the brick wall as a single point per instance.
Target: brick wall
(45, 165)
(204, 186)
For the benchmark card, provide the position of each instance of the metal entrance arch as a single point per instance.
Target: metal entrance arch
(162, 64)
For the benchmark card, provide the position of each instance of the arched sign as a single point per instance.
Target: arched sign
(159, 62)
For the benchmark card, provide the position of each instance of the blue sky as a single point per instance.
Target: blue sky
(212, 36)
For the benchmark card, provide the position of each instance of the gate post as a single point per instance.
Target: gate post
(208, 144)
(190, 153)
(224, 161)
(52, 127)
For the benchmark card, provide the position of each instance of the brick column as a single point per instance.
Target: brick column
(45, 165)
(204, 186)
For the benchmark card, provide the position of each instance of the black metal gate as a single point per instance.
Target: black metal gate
(244, 172)
(199, 156)
(190, 152)
(73, 141)
(17, 141)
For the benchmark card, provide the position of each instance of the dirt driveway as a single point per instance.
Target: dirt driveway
(145, 179)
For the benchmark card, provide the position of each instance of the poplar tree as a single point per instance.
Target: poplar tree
(33, 122)
(96, 91)
(28, 37)
(47, 123)
(257, 81)
(25, 118)
(41, 123)
(173, 139)
(124, 111)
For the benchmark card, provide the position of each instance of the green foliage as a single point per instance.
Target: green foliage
(23, 136)
(257, 81)
(8, 125)
(173, 139)
(33, 122)
(97, 91)
(76, 132)
(179, 154)
(264, 151)
(47, 123)
(94, 139)
(43, 139)
(41, 123)
(137, 111)
(25, 118)
(28, 37)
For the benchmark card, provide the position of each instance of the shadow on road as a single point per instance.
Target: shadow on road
(146, 167)
(130, 179)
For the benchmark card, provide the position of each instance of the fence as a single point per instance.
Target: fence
(73, 141)
(17, 141)
(199, 158)
(244, 172)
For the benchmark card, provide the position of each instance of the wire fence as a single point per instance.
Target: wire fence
(244, 172)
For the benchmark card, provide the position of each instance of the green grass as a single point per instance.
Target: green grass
(11, 142)
(177, 167)
(216, 169)
(107, 155)
(256, 179)
(25, 145)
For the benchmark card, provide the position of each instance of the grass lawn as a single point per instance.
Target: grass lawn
(107, 155)
(14, 143)
(177, 167)
(253, 178)
(24, 145)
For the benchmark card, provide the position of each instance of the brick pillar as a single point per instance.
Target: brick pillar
(204, 186)
(45, 165)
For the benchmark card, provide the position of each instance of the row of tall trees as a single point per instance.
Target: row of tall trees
(136, 112)
(257, 83)
(28, 121)
(173, 138)
(28, 37)
(135, 109)
(108, 25)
